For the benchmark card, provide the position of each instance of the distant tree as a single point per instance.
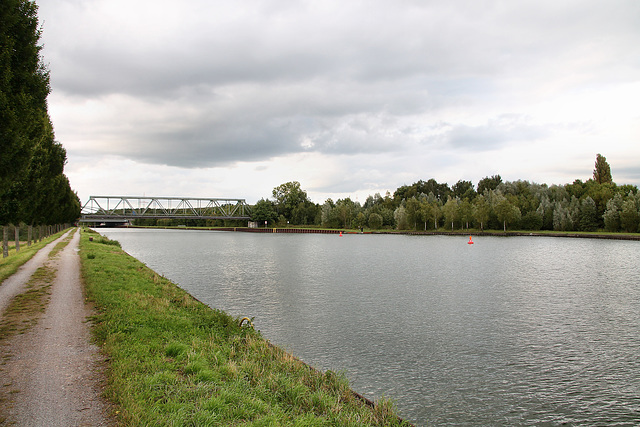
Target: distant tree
(287, 197)
(404, 192)
(372, 201)
(346, 210)
(612, 213)
(629, 217)
(545, 210)
(400, 216)
(360, 221)
(481, 210)
(601, 194)
(602, 172)
(588, 215)
(375, 221)
(487, 183)
(440, 191)
(507, 213)
(463, 189)
(305, 213)
(562, 220)
(451, 211)
(264, 211)
(578, 188)
(384, 212)
(412, 209)
(328, 218)
(532, 220)
(428, 207)
(466, 212)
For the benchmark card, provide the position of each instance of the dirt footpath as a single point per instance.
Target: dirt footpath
(51, 375)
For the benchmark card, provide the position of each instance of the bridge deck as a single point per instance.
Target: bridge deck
(102, 208)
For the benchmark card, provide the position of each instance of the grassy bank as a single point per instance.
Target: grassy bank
(174, 361)
(10, 264)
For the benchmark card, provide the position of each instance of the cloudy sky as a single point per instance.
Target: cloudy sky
(208, 98)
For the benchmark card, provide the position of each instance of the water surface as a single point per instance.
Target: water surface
(508, 331)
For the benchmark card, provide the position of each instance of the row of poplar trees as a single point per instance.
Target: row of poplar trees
(33, 188)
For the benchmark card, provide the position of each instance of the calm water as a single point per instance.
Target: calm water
(508, 331)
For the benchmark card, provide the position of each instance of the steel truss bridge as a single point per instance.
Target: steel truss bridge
(124, 208)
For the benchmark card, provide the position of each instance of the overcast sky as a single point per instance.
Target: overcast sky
(208, 98)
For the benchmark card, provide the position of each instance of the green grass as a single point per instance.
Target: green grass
(60, 245)
(173, 361)
(10, 264)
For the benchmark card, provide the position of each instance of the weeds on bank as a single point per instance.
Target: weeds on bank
(25, 309)
(175, 361)
(61, 245)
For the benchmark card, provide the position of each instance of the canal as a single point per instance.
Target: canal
(507, 331)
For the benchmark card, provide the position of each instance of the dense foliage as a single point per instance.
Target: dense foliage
(597, 204)
(33, 187)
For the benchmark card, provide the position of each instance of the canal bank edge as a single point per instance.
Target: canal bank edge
(174, 359)
(298, 230)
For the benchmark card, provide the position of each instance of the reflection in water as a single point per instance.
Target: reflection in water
(507, 331)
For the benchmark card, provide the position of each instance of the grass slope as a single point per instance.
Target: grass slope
(175, 361)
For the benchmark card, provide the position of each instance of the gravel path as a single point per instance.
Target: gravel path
(52, 373)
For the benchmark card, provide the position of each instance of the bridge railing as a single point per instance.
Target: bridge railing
(128, 207)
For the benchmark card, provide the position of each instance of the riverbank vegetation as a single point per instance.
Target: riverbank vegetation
(175, 361)
(598, 204)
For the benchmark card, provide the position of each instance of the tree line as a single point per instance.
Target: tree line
(33, 188)
(597, 204)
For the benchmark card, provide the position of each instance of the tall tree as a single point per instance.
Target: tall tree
(33, 187)
(412, 210)
(287, 197)
(507, 212)
(602, 172)
(346, 210)
(24, 87)
(451, 211)
(481, 211)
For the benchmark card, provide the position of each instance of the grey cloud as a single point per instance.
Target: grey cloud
(208, 145)
(259, 79)
(494, 135)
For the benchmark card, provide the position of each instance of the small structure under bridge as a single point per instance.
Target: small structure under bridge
(122, 209)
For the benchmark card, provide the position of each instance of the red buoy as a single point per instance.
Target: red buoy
(470, 241)
(341, 234)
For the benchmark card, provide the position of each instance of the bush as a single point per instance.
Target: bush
(531, 221)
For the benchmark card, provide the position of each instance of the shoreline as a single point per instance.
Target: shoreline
(496, 233)
(156, 334)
